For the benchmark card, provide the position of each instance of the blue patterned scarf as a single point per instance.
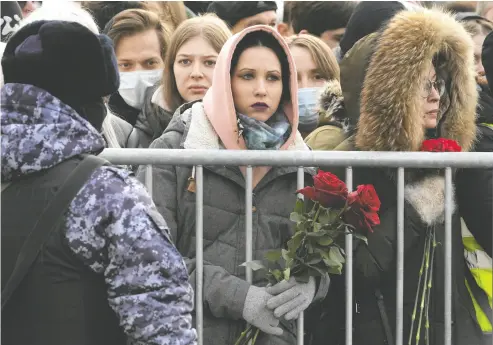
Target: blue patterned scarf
(268, 135)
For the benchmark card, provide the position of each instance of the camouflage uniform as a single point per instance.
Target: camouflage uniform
(112, 225)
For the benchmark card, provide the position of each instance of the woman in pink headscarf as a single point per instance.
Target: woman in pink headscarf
(252, 105)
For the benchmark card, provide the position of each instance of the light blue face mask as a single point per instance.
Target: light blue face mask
(308, 108)
(134, 84)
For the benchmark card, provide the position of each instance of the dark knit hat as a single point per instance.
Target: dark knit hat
(11, 18)
(64, 58)
(368, 17)
(234, 11)
(487, 59)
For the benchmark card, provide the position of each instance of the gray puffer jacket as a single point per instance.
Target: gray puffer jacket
(274, 197)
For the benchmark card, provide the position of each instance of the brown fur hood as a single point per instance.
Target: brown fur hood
(390, 118)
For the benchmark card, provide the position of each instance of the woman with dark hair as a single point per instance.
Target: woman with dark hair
(252, 105)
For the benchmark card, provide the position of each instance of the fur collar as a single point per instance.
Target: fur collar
(428, 199)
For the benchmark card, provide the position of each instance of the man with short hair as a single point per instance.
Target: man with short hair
(242, 14)
(324, 19)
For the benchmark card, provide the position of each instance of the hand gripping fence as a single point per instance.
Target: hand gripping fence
(400, 160)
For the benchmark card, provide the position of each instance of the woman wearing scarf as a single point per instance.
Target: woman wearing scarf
(396, 96)
(252, 105)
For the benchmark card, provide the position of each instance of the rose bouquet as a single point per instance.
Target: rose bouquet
(323, 218)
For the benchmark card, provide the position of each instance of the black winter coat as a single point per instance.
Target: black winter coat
(475, 186)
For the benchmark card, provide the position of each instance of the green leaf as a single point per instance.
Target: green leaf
(295, 241)
(325, 241)
(296, 217)
(255, 265)
(300, 206)
(313, 259)
(277, 274)
(328, 216)
(361, 237)
(335, 270)
(335, 255)
(287, 273)
(316, 234)
(287, 255)
(317, 227)
(273, 255)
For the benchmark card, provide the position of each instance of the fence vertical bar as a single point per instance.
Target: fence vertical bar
(148, 179)
(400, 257)
(248, 222)
(199, 250)
(301, 319)
(349, 270)
(448, 256)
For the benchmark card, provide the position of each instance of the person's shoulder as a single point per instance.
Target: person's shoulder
(177, 128)
(113, 187)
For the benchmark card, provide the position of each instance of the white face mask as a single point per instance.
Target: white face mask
(308, 108)
(134, 84)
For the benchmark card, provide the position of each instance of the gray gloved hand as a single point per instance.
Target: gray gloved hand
(291, 298)
(256, 313)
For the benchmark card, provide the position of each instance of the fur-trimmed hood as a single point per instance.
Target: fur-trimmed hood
(389, 115)
(331, 104)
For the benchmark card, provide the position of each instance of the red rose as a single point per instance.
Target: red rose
(328, 190)
(363, 207)
(440, 145)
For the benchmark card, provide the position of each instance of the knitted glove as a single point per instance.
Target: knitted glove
(255, 311)
(291, 298)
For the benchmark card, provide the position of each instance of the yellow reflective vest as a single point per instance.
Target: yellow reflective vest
(480, 265)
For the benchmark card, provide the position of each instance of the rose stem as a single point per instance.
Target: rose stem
(423, 296)
(255, 337)
(243, 334)
(416, 298)
(429, 287)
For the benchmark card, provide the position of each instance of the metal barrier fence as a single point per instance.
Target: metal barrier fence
(399, 160)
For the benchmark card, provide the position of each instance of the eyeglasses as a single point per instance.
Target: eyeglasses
(438, 85)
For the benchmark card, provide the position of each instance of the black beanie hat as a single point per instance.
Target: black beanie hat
(367, 18)
(234, 11)
(67, 60)
(64, 58)
(11, 18)
(487, 58)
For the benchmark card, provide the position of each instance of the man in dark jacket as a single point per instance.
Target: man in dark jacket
(108, 270)
(475, 186)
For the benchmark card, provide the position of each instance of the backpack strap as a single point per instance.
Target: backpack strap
(6, 185)
(48, 221)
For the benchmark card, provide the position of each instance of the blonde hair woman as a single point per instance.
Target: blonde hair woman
(319, 91)
(190, 61)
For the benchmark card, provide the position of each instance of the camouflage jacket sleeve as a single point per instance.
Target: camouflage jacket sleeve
(112, 226)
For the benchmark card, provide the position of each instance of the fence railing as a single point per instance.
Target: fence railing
(400, 160)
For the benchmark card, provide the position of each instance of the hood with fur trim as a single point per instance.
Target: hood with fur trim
(331, 104)
(389, 114)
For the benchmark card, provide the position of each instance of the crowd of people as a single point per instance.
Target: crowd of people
(89, 257)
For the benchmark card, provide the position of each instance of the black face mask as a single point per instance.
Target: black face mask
(94, 112)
